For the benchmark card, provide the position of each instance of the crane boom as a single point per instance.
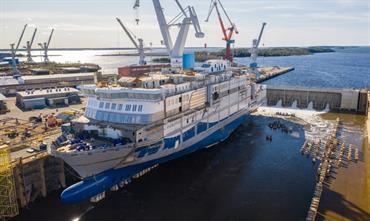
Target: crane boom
(223, 28)
(29, 47)
(20, 38)
(163, 26)
(254, 49)
(226, 31)
(227, 16)
(210, 10)
(181, 8)
(137, 4)
(33, 37)
(139, 47)
(51, 34)
(128, 33)
(176, 50)
(260, 35)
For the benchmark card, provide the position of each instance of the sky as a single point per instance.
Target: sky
(91, 23)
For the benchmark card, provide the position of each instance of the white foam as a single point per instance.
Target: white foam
(315, 126)
(294, 105)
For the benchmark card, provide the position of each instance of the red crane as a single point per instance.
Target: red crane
(227, 32)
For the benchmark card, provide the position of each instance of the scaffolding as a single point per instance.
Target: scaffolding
(8, 200)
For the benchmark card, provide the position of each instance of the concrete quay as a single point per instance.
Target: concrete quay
(267, 73)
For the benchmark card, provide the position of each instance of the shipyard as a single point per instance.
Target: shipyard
(177, 110)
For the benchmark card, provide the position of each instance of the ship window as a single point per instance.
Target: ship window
(113, 107)
(107, 105)
(101, 104)
(134, 107)
(140, 108)
(128, 107)
(120, 107)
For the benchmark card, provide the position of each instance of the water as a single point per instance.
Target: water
(347, 68)
(243, 178)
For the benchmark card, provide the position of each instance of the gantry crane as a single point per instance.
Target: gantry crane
(227, 32)
(14, 51)
(29, 47)
(138, 45)
(45, 47)
(254, 49)
(189, 16)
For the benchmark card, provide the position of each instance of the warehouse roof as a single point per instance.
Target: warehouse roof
(43, 92)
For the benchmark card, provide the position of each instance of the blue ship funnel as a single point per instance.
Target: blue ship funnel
(188, 61)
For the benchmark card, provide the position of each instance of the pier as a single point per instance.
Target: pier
(267, 73)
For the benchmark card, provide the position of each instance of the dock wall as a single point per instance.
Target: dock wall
(343, 100)
(37, 175)
(366, 150)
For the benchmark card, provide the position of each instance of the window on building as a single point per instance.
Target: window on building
(107, 105)
(134, 107)
(140, 108)
(120, 107)
(101, 104)
(128, 107)
(113, 107)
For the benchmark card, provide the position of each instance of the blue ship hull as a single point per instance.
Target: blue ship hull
(92, 186)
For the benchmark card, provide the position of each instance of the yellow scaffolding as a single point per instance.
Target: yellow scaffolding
(8, 200)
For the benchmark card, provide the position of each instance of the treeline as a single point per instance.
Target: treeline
(279, 51)
(264, 52)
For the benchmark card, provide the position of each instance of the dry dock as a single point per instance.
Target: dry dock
(347, 196)
(26, 176)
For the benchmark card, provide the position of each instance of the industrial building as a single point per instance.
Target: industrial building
(10, 85)
(37, 99)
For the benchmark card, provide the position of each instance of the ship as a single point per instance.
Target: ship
(139, 122)
(148, 120)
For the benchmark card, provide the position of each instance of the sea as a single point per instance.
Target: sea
(245, 177)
